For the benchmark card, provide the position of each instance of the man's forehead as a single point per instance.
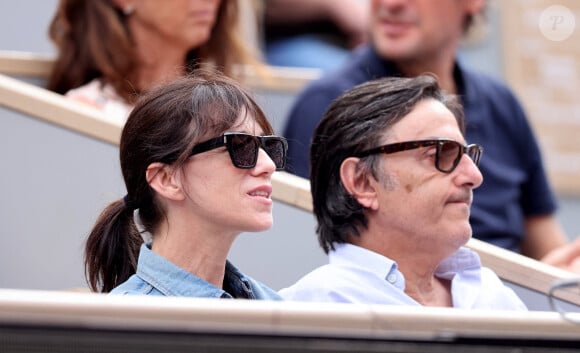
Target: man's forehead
(428, 119)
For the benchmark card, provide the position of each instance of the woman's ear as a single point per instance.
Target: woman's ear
(165, 181)
(358, 183)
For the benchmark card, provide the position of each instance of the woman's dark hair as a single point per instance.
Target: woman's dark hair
(354, 122)
(163, 127)
(93, 41)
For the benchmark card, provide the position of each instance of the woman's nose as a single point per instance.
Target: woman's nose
(264, 164)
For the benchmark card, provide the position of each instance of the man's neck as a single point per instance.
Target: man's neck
(431, 291)
(417, 264)
(443, 70)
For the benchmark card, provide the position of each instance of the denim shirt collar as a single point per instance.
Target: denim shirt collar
(171, 280)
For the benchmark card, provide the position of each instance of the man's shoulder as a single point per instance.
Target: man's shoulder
(314, 99)
(484, 84)
(331, 84)
(358, 69)
(317, 282)
(489, 100)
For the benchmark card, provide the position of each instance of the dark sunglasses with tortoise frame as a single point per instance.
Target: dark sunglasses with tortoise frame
(447, 156)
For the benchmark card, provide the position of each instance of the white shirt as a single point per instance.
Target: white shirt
(103, 97)
(358, 275)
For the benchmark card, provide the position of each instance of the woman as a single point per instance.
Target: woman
(197, 160)
(109, 51)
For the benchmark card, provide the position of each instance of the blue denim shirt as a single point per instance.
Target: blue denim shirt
(158, 276)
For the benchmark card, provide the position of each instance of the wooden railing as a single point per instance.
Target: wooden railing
(57, 320)
(25, 64)
(275, 79)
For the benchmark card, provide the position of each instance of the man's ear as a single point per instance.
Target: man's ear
(165, 181)
(358, 183)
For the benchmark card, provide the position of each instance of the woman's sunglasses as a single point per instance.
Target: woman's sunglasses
(447, 155)
(244, 148)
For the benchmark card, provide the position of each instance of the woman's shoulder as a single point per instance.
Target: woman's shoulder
(262, 291)
(135, 286)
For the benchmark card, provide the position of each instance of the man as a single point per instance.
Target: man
(515, 207)
(391, 184)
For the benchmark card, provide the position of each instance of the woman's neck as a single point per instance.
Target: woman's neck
(201, 252)
(151, 73)
(158, 60)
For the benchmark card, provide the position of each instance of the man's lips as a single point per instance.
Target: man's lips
(466, 199)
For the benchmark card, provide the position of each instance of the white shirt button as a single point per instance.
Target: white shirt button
(392, 278)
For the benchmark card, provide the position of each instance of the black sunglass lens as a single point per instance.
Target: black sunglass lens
(244, 150)
(274, 147)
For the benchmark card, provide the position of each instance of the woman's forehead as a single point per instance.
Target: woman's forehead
(247, 123)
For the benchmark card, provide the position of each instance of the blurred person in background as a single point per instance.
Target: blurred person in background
(312, 33)
(515, 208)
(110, 51)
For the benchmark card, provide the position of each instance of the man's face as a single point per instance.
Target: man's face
(426, 207)
(417, 30)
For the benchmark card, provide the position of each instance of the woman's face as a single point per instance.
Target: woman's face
(185, 23)
(226, 198)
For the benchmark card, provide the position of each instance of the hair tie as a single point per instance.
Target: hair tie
(129, 203)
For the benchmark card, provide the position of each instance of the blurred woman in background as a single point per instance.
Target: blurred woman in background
(110, 51)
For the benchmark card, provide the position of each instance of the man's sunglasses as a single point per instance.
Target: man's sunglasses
(447, 156)
(244, 148)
